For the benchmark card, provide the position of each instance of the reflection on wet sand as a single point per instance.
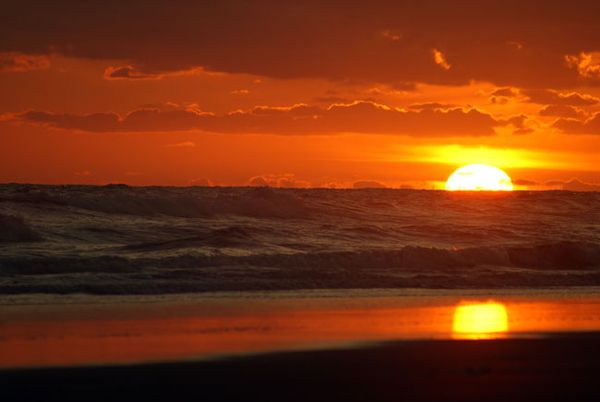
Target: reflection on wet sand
(480, 320)
(204, 328)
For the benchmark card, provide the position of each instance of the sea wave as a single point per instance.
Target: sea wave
(191, 202)
(562, 256)
(15, 229)
(121, 239)
(233, 236)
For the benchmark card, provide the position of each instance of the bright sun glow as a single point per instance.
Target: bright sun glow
(479, 177)
(480, 320)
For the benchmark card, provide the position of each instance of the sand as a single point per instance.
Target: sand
(561, 368)
(300, 346)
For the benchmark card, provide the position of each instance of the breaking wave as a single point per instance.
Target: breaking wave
(563, 256)
(562, 264)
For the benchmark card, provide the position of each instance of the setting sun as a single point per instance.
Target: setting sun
(479, 177)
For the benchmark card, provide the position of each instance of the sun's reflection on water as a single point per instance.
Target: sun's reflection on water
(480, 320)
(52, 335)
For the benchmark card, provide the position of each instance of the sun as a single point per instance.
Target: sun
(479, 177)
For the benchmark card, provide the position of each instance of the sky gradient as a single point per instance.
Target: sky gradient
(299, 94)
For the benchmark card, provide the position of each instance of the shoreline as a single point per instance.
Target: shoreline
(93, 298)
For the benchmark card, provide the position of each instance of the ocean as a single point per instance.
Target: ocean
(121, 240)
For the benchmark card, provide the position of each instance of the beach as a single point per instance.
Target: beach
(299, 201)
(554, 368)
(318, 345)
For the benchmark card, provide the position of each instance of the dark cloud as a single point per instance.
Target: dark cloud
(524, 182)
(139, 120)
(505, 92)
(367, 184)
(543, 97)
(278, 180)
(335, 99)
(501, 96)
(572, 185)
(96, 122)
(519, 123)
(431, 105)
(14, 62)
(356, 117)
(565, 111)
(576, 185)
(202, 182)
(575, 126)
(127, 72)
(258, 181)
(550, 97)
(134, 73)
(509, 43)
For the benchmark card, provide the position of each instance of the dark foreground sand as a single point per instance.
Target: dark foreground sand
(554, 368)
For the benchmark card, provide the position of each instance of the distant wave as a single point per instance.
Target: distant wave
(201, 202)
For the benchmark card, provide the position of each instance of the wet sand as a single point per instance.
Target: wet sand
(556, 368)
(55, 331)
(326, 345)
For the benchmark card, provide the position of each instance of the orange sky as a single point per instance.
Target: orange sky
(299, 93)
